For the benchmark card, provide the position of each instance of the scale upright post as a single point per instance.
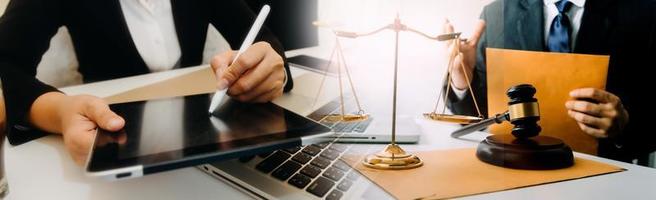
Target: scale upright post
(393, 156)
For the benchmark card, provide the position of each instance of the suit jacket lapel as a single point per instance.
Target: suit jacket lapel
(112, 19)
(191, 28)
(528, 25)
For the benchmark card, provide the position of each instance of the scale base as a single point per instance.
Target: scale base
(536, 153)
(346, 118)
(460, 119)
(392, 157)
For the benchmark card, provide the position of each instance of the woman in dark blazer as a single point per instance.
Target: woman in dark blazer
(105, 50)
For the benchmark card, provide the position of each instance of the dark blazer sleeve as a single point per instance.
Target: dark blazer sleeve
(233, 18)
(25, 31)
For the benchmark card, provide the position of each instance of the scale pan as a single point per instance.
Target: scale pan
(459, 119)
(346, 117)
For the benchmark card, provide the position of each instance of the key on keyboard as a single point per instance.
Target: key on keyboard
(333, 173)
(311, 171)
(286, 170)
(292, 150)
(330, 154)
(320, 186)
(344, 185)
(300, 180)
(338, 147)
(312, 150)
(334, 195)
(320, 162)
(271, 162)
(341, 165)
(302, 158)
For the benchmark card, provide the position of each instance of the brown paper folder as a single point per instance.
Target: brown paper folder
(196, 82)
(457, 172)
(554, 75)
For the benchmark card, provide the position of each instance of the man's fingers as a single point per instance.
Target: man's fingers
(250, 58)
(593, 93)
(595, 109)
(447, 27)
(585, 107)
(98, 111)
(478, 31)
(601, 123)
(595, 132)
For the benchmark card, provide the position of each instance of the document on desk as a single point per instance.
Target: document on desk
(554, 75)
(457, 172)
(200, 81)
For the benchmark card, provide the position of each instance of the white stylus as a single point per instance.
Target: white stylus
(250, 38)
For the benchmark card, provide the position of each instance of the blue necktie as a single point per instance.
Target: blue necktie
(561, 28)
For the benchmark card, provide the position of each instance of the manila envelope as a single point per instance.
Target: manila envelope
(554, 75)
(197, 82)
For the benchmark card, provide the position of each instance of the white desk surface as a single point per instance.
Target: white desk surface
(42, 169)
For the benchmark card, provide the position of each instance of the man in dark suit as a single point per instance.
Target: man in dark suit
(623, 29)
(119, 38)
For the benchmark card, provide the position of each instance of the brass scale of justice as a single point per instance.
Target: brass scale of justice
(393, 156)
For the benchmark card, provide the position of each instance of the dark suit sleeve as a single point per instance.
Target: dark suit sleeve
(233, 19)
(25, 32)
(633, 53)
(466, 106)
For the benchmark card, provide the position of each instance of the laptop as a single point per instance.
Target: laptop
(317, 171)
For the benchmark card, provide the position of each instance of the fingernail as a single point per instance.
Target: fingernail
(568, 104)
(115, 123)
(572, 93)
(223, 84)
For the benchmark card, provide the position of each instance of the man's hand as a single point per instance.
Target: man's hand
(76, 118)
(258, 74)
(466, 56)
(598, 113)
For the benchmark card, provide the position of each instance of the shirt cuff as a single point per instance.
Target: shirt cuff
(460, 93)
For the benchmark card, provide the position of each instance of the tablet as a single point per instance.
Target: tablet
(173, 133)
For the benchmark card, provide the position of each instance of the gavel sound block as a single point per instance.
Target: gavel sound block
(524, 148)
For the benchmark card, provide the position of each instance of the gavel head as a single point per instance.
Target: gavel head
(524, 111)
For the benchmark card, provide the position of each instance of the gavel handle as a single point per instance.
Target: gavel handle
(497, 119)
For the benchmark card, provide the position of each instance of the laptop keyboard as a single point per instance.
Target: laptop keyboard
(315, 168)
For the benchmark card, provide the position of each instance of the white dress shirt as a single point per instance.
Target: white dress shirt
(575, 13)
(153, 32)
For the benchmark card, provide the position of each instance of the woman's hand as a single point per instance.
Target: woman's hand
(258, 75)
(76, 118)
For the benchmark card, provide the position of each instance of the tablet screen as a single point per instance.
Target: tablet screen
(165, 130)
